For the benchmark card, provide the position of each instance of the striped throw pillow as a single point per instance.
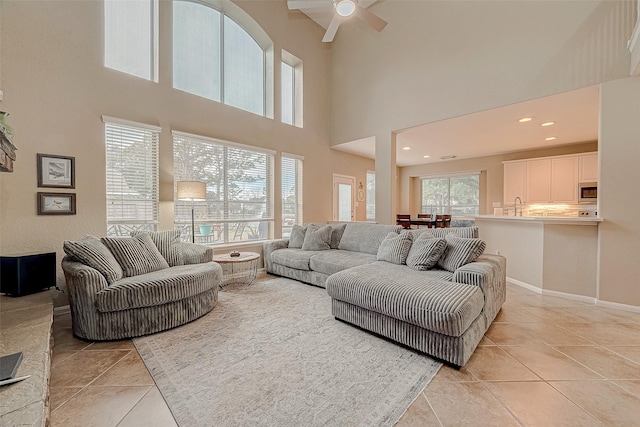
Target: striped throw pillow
(90, 251)
(168, 243)
(317, 238)
(460, 251)
(136, 255)
(425, 252)
(395, 247)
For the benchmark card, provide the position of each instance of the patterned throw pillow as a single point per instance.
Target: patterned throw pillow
(136, 255)
(168, 243)
(425, 252)
(90, 251)
(317, 238)
(296, 239)
(460, 251)
(395, 247)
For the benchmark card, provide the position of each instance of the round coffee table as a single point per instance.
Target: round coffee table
(238, 270)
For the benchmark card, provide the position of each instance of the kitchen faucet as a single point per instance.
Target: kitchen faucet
(515, 206)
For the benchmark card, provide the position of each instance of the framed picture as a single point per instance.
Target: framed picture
(56, 203)
(56, 171)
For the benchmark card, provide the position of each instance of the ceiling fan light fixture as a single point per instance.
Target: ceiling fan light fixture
(345, 8)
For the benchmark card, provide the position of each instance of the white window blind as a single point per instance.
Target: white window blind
(130, 33)
(216, 58)
(239, 204)
(132, 177)
(371, 196)
(291, 193)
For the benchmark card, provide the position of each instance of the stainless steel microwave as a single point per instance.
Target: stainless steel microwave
(588, 192)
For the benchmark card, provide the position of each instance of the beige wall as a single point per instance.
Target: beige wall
(57, 89)
(619, 235)
(491, 179)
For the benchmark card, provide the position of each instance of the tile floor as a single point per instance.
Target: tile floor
(545, 361)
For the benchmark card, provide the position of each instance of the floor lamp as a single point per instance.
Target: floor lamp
(192, 190)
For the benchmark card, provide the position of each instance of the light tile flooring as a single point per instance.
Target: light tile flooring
(545, 361)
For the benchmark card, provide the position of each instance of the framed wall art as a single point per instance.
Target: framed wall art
(56, 171)
(56, 203)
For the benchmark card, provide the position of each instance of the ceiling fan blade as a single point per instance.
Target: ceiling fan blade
(308, 4)
(331, 31)
(373, 20)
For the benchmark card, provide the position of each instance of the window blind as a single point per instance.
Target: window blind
(132, 177)
(239, 182)
(291, 193)
(371, 196)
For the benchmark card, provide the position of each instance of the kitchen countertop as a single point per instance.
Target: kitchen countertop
(560, 220)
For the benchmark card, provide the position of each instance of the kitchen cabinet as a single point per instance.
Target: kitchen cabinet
(564, 176)
(515, 174)
(539, 181)
(588, 167)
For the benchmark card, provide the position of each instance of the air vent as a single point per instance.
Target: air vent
(447, 157)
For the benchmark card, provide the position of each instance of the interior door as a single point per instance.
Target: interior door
(343, 200)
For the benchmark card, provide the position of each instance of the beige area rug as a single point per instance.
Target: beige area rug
(273, 355)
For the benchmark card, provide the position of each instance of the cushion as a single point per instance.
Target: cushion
(329, 262)
(168, 243)
(336, 233)
(395, 247)
(417, 232)
(362, 237)
(292, 258)
(90, 251)
(425, 252)
(317, 239)
(136, 255)
(460, 251)
(467, 232)
(297, 236)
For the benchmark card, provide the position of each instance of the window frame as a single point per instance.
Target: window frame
(297, 89)
(298, 184)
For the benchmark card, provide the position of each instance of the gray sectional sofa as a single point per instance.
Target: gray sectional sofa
(443, 311)
(127, 287)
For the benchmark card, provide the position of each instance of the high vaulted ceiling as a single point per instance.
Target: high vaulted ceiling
(497, 131)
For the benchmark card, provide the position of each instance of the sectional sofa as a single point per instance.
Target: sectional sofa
(431, 290)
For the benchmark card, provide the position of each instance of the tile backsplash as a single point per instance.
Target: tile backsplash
(561, 210)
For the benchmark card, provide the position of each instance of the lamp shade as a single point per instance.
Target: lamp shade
(192, 190)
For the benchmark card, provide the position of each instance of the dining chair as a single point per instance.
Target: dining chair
(446, 221)
(404, 220)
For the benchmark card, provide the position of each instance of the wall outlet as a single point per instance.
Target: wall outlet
(497, 252)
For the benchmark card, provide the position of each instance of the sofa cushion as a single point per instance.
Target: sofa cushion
(168, 243)
(329, 262)
(136, 255)
(466, 232)
(425, 252)
(361, 237)
(460, 251)
(90, 251)
(409, 295)
(297, 236)
(158, 287)
(293, 258)
(395, 247)
(317, 238)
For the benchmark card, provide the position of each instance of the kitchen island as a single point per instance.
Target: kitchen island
(550, 255)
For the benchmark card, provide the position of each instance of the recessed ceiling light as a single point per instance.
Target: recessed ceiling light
(406, 148)
(548, 124)
(550, 138)
(525, 119)
(425, 157)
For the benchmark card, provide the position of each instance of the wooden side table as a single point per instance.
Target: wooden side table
(242, 269)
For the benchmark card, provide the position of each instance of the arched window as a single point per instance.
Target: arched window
(215, 57)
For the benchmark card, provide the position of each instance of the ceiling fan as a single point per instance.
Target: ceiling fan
(344, 9)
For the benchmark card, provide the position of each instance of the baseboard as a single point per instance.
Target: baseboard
(63, 309)
(618, 306)
(575, 297)
(525, 285)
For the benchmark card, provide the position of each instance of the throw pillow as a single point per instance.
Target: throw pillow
(395, 247)
(425, 252)
(136, 255)
(460, 251)
(90, 251)
(168, 243)
(317, 239)
(419, 232)
(297, 236)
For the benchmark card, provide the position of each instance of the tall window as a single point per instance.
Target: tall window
(132, 176)
(239, 204)
(130, 34)
(457, 195)
(291, 192)
(214, 57)
(371, 196)
(291, 89)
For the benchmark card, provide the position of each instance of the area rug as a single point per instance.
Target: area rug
(271, 354)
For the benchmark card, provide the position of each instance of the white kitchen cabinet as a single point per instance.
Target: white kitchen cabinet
(515, 174)
(588, 167)
(539, 181)
(564, 180)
